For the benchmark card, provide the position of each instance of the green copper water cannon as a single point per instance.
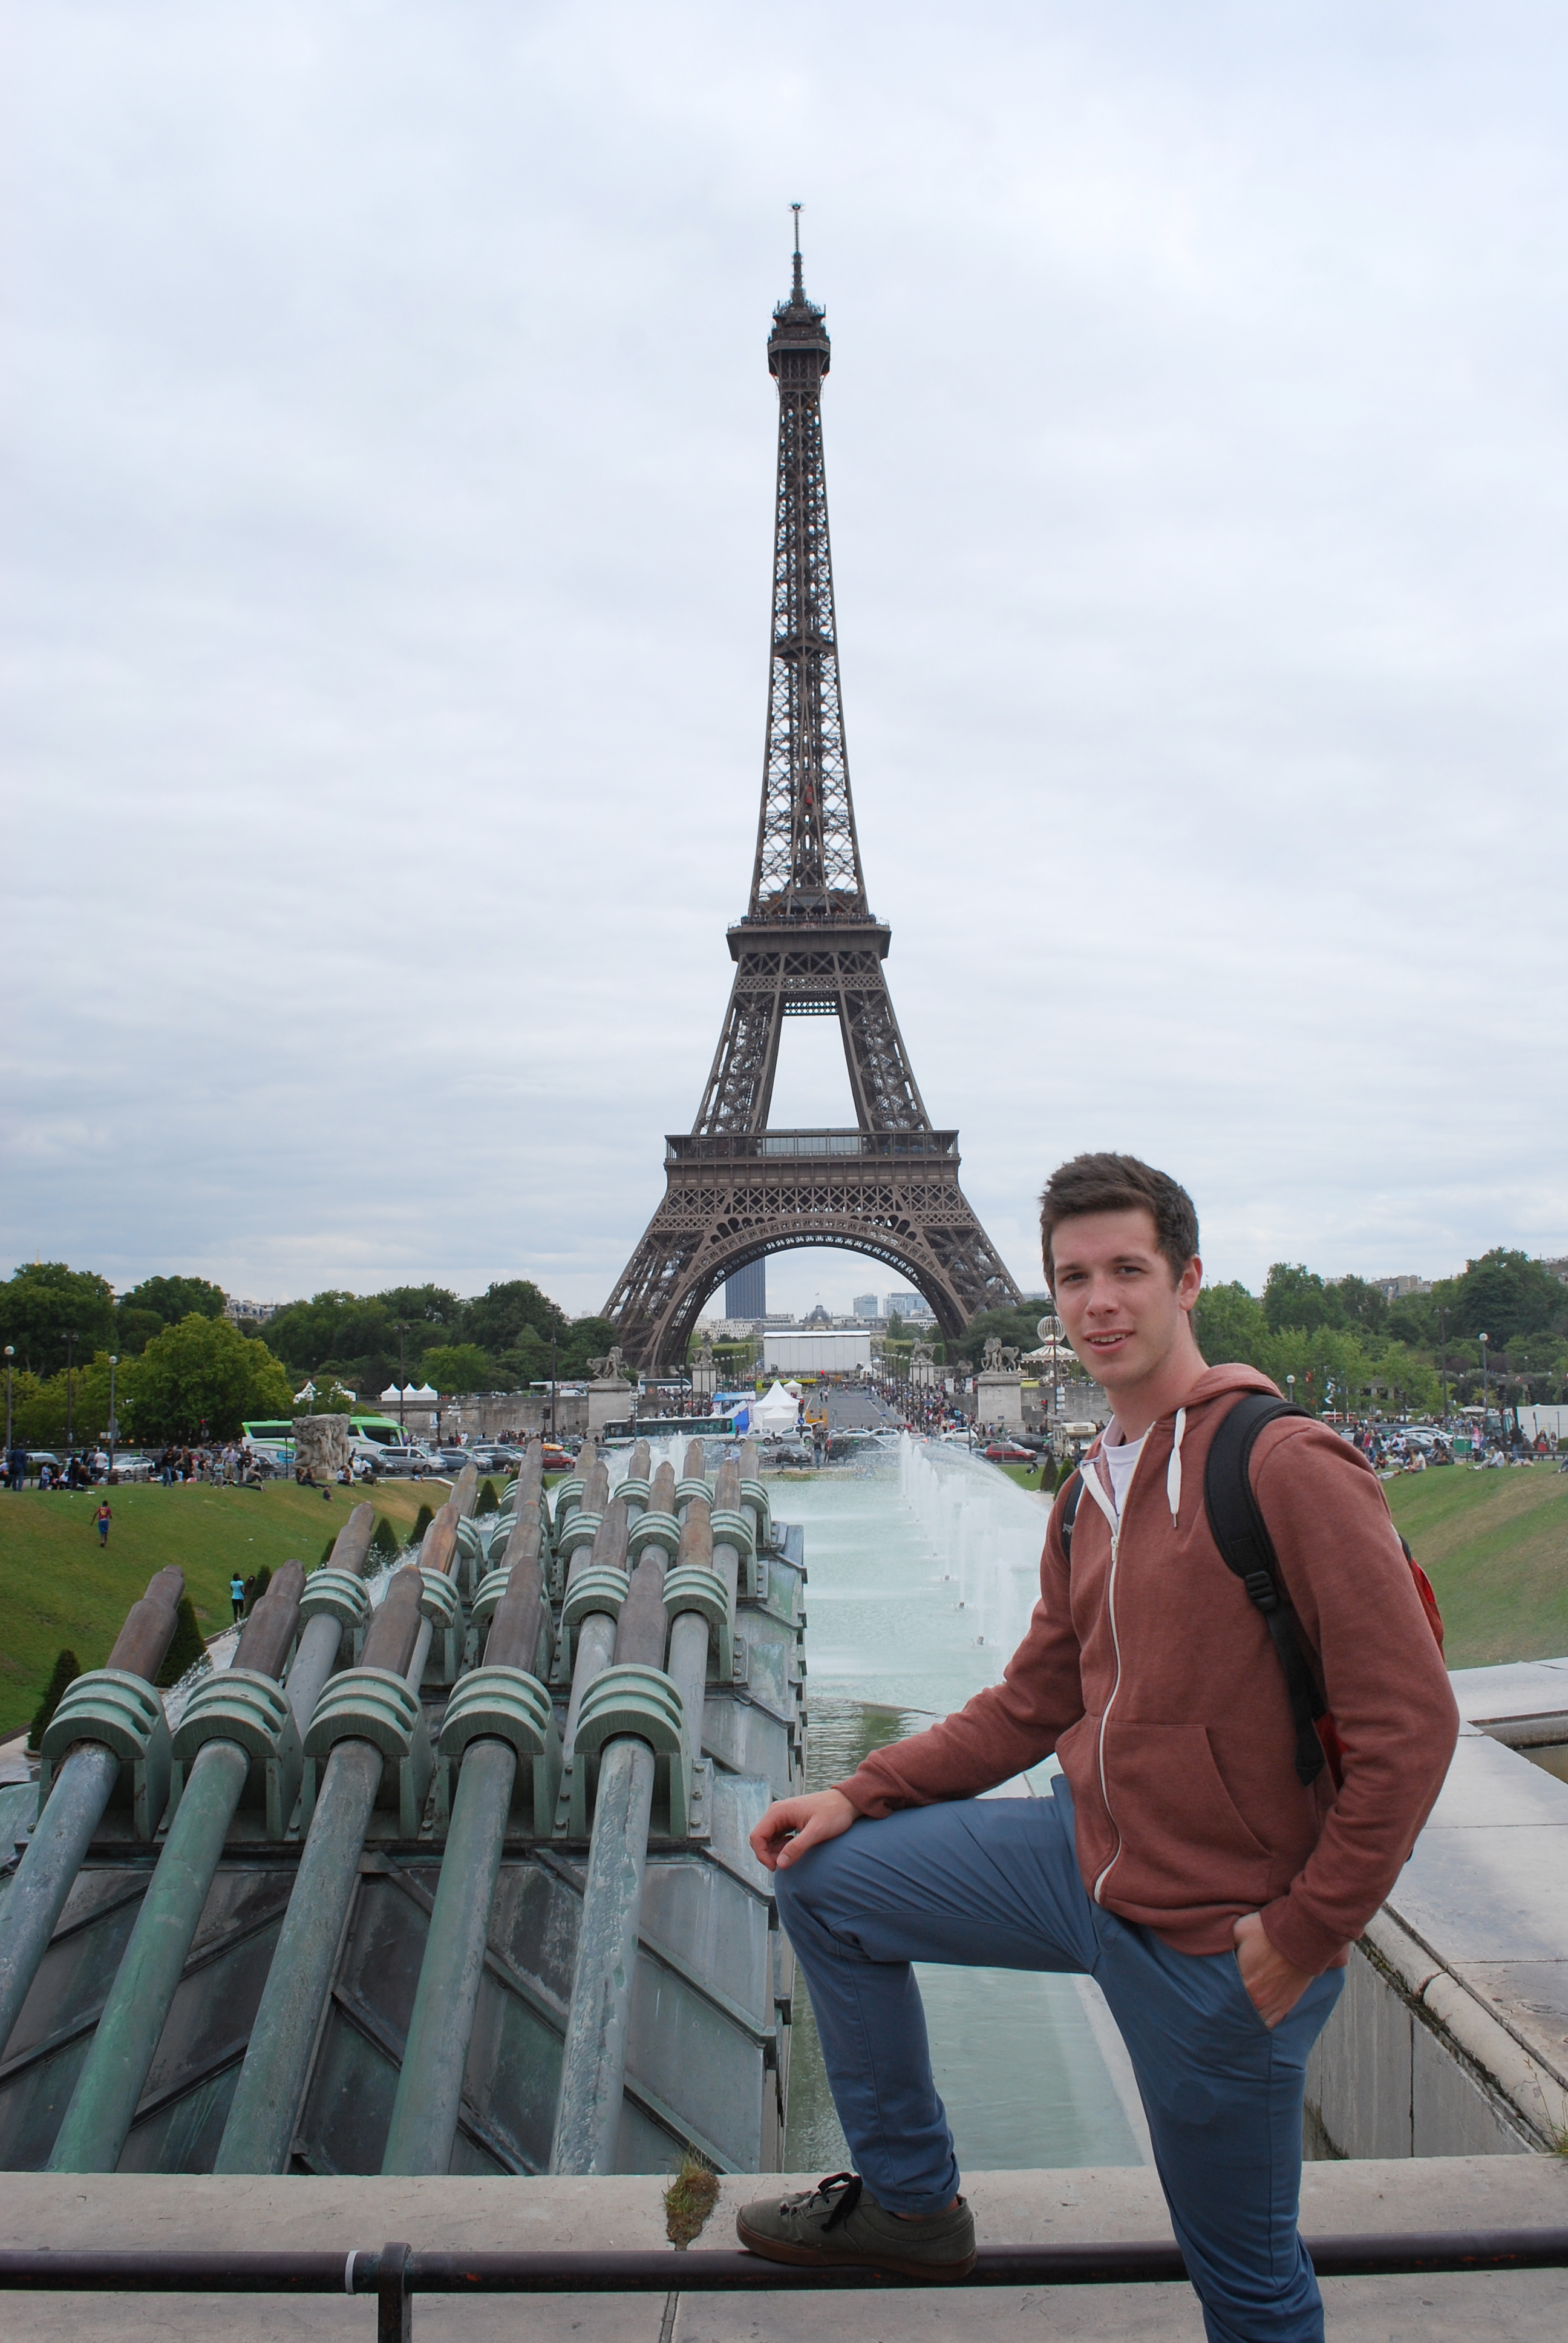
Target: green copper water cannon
(107, 1739)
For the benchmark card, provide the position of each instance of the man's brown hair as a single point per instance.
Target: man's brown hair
(1119, 1184)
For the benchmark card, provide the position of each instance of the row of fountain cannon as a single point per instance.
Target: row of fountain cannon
(622, 1606)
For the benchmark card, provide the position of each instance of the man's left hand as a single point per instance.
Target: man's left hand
(1273, 1984)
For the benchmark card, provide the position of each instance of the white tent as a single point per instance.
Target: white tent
(775, 1412)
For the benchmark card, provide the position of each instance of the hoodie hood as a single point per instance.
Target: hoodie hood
(1214, 1382)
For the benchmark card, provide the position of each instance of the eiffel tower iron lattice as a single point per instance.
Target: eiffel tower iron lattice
(809, 946)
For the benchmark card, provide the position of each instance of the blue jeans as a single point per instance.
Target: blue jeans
(994, 1882)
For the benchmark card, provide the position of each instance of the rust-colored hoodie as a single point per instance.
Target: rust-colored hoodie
(1152, 1676)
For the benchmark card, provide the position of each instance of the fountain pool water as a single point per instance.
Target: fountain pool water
(921, 1581)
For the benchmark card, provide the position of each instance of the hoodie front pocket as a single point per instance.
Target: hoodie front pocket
(1183, 1842)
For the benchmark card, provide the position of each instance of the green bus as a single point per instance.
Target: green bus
(367, 1434)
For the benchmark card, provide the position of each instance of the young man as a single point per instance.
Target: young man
(1179, 1859)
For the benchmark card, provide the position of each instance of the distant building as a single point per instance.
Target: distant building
(824, 1352)
(865, 1305)
(746, 1293)
(1394, 1289)
(251, 1314)
(1558, 1269)
(906, 1306)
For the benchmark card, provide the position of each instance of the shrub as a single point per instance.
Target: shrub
(384, 1541)
(422, 1521)
(67, 1668)
(327, 1549)
(255, 1588)
(487, 1500)
(186, 1648)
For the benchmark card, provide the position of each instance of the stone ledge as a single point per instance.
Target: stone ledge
(1055, 2206)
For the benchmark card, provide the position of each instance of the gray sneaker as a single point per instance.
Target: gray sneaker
(841, 2221)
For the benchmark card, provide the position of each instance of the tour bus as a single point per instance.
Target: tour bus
(667, 1427)
(367, 1436)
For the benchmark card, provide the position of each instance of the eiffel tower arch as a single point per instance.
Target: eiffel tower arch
(809, 946)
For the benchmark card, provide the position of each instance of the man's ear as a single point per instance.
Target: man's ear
(1189, 1284)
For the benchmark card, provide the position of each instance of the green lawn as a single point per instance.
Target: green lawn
(1495, 1548)
(56, 1588)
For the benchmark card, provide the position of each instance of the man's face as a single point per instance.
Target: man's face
(1124, 1312)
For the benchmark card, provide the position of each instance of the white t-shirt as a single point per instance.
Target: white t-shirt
(1121, 1463)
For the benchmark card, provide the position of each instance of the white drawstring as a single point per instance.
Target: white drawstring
(1173, 1470)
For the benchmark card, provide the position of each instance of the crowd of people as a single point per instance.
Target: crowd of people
(1413, 1448)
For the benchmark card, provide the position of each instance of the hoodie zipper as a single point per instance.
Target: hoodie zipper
(1091, 1479)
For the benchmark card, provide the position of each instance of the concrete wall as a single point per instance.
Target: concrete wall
(1451, 2037)
(1383, 2080)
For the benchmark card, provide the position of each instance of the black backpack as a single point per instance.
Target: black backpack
(1238, 1528)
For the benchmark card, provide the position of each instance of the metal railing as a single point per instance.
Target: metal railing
(398, 2272)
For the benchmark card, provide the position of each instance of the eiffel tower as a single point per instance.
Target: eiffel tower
(809, 946)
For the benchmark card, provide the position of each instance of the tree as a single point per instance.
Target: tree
(1230, 1326)
(332, 1326)
(499, 1318)
(1298, 1297)
(459, 1367)
(200, 1380)
(586, 1338)
(1506, 1293)
(170, 1299)
(67, 1668)
(1360, 1304)
(44, 1302)
(384, 1541)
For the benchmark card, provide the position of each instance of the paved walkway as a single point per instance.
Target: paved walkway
(168, 2209)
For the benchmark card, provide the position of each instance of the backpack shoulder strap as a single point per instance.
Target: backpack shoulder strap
(1074, 1487)
(1240, 1533)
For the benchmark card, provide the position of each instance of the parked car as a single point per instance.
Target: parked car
(413, 1459)
(491, 1459)
(133, 1468)
(1009, 1452)
(556, 1459)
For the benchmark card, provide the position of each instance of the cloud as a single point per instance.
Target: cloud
(387, 583)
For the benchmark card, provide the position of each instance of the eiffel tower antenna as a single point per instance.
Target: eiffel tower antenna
(807, 946)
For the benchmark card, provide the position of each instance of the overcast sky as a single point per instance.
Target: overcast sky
(391, 448)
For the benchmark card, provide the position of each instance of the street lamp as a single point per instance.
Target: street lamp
(552, 1386)
(402, 1377)
(1290, 1388)
(1483, 1339)
(10, 1354)
(114, 1427)
(1443, 1357)
(71, 1340)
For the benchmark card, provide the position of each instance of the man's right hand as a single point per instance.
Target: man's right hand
(792, 1825)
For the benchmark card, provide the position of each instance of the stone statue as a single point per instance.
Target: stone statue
(922, 1354)
(704, 1357)
(1008, 1360)
(992, 1354)
(610, 1368)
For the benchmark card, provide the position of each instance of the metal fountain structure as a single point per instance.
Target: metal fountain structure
(456, 1881)
(807, 946)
